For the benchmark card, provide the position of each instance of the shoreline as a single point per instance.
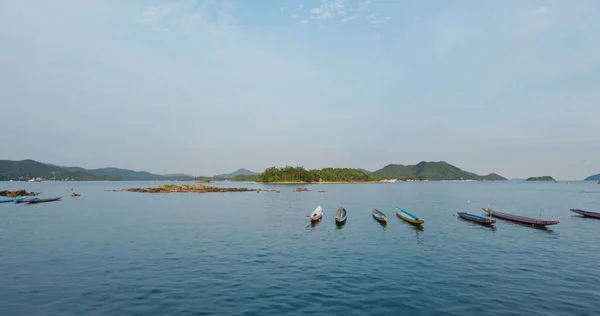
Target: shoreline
(370, 182)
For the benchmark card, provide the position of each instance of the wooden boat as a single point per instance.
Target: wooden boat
(476, 218)
(520, 219)
(379, 216)
(586, 213)
(14, 199)
(340, 216)
(43, 200)
(408, 217)
(316, 214)
(26, 200)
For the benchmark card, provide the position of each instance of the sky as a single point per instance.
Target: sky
(206, 86)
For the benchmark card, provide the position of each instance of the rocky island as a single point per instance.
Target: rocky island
(196, 188)
(16, 193)
(542, 178)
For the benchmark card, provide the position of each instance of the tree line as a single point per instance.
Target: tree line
(299, 174)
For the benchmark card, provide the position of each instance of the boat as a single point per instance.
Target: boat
(520, 219)
(408, 217)
(25, 200)
(43, 200)
(379, 216)
(340, 216)
(476, 218)
(7, 200)
(585, 213)
(316, 214)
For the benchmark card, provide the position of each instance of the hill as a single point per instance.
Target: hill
(27, 169)
(543, 178)
(595, 177)
(434, 171)
(239, 172)
(365, 171)
(130, 175)
(290, 174)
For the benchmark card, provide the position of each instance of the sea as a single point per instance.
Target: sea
(256, 253)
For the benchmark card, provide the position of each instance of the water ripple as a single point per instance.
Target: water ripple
(257, 254)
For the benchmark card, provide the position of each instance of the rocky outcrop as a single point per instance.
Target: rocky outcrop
(197, 188)
(15, 193)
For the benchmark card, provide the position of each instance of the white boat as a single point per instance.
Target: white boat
(316, 214)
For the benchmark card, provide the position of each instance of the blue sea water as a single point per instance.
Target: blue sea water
(123, 253)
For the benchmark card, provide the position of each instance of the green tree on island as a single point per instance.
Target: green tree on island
(299, 174)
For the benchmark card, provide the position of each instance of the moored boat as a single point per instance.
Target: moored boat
(476, 218)
(520, 219)
(379, 216)
(585, 213)
(24, 200)
(340, 216)
(316, 214)
(43, 200)
(408, 217)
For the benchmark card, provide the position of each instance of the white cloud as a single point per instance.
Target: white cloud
(299, 7)
(294, 16)
(304, 22)
(329, 9)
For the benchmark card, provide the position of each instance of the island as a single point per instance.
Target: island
(432, 171)
(542, 178)
(291, 175)
(17, 193)
(195, 188)
(595, 177)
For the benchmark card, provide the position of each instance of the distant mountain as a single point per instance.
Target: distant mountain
(239, 172)
(542, 178)
(130, 175)
(434, 171)
(365, 171)
(593, 178)
(27, 169)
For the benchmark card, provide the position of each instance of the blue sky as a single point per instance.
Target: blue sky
(206, 87)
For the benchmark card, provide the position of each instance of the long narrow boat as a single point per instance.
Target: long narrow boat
(476, 218)
(408, 217)
(14, 199)
(520, 219)
(341, 216)
(25, 200)
(585, 213)
(43, 200)
(316, 214)
(379, 216)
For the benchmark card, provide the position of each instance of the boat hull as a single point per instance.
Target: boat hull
(340, 216)
(519, 219)
(408, 217)
(585, 213)
(316, 215)
(43, 200)
(379, 216)
(475, 218)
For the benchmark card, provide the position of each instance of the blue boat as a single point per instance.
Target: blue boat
(340, 216)
(476, 218)
(9, 200)
(408, 217)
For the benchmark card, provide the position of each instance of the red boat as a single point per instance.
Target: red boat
(43, 200)
(586, 213)
(520, 219)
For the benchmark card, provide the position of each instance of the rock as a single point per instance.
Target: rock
(197, 188)
(301, 189)
(16, 193)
